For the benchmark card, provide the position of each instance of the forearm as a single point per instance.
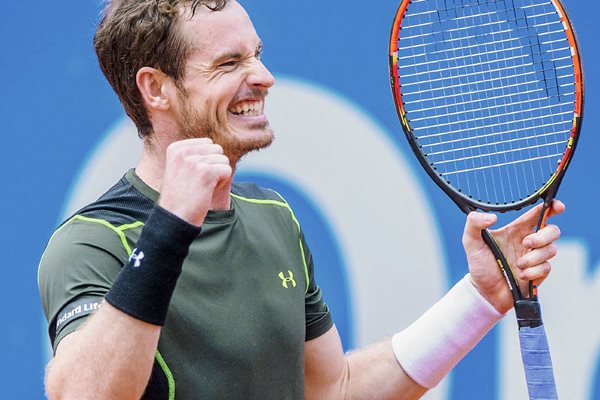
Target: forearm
(429, 348)
(374, 372)
(369, 373)
(111, 357)
(414, 360)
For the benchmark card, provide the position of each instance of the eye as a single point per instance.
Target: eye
(231, 63)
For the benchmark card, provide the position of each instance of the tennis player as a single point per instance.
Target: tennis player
(178, 283)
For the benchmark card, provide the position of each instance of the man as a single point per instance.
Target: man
(208, 286)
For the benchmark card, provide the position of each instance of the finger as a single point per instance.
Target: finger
(199, 149)
(222, 171)
(214, 166)
(200, 159)
(530, 218)
(182, 148)
(535, 257)
(190, 143)
(558, 207)
(537, 273)
(224, 174)
(543, 237)
(476, 222)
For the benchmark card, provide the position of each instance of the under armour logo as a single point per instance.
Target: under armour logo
(137, 257)
(285, 280)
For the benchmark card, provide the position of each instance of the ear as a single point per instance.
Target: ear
(155, 88)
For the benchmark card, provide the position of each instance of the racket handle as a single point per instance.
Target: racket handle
(538, 364)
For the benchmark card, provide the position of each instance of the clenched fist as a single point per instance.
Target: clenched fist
(195, 169)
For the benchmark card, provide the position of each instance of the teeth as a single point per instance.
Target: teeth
(248, 108)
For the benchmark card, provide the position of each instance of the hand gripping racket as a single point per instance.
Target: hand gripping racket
(489, 94)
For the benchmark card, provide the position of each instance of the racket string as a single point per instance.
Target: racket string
(449, 68)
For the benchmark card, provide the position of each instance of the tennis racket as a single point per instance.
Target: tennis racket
(489, 94)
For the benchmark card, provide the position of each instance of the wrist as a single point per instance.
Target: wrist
(429, 348)
(193, 217)
(497, 295)
(144, 287)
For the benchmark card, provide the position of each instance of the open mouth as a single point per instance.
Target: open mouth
(248, 108)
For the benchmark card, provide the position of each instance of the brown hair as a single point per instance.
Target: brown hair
(143, 33)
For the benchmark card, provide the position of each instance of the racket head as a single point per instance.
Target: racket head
(489, 95)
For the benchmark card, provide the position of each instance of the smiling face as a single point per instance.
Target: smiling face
(223, 90)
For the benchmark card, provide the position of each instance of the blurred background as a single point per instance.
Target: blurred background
(386, 241)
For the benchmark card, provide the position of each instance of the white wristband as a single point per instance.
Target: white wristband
(429, 348)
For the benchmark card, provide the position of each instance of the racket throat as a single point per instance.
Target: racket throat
(529, 313)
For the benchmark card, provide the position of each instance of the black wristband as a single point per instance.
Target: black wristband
(145, 285)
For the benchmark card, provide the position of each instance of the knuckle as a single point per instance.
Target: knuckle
(557, 231)
(465, 240)
(171, 149)
(178, 153)
(218, 148)
(181, 154)
(552, 250)
(546, 268)
(552, 231)
(201, 170)
(529, 241)
(473, 216)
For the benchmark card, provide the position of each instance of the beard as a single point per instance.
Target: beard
(194, 124)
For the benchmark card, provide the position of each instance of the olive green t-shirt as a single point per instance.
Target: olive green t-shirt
(244, 304)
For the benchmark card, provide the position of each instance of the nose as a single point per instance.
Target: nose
(260, 75)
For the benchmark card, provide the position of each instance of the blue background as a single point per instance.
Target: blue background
(55, 105)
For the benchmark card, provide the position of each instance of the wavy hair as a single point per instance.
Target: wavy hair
(143, 33)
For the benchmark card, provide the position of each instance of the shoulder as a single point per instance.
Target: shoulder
(99, 230)
(262, 205)
(261, 200)
(121, 205)
(80, 232)
(251, 191)
(105, 222)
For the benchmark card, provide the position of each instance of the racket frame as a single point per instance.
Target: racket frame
(527, 309)
(532, 336)
(463, 201)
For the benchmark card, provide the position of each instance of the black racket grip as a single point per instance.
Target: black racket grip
(529, 313)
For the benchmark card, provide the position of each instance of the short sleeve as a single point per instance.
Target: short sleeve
(78, 267)
(318, 316)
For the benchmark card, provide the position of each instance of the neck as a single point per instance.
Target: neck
(151, 169)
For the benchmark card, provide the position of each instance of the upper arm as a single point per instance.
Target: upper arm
(367, 373)
(325, 367)
(63, 347)
(76, 270)
(66, 343)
